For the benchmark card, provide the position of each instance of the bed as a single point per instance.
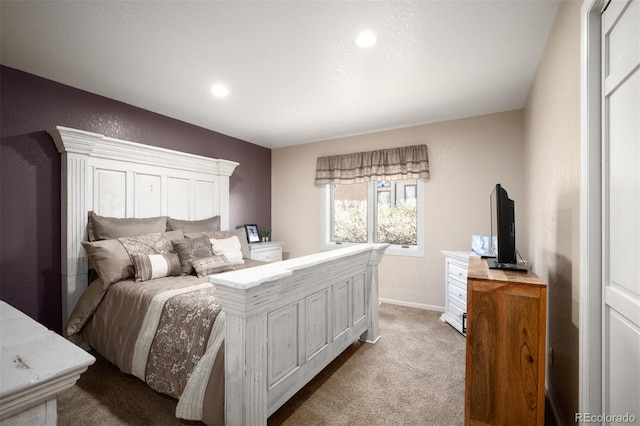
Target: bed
(262, 330)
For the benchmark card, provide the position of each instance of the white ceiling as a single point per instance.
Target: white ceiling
(293, 71)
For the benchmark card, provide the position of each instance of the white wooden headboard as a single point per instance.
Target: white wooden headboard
(118, 178)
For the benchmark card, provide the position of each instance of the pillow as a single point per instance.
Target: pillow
(211, 265)
(154, 243)
(86, 306)
(204, 225)
(113, 262)
(190, 249)
(107, 228)
(241, 233)
(229, 248)
(152, 266)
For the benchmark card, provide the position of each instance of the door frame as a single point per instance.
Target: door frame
(591, 292)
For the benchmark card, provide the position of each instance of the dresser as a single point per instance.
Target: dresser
(36, 365)
(506, 346)
(455, 305)
(268, 251)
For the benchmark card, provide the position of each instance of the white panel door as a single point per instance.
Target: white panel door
(621, 213)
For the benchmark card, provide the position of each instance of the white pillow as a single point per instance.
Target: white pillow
(229, 248)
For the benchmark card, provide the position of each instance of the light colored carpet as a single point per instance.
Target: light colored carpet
(414, 375)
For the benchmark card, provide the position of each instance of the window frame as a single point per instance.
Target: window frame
(394, 249)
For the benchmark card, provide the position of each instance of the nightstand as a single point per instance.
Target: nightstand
(269, 251)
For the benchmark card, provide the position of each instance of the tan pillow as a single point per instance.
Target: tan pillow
(204, 225)
(107, 228)
(211, 265)
(242, 237)
(112, 261)
(190, 249)
(154, 243)
(86, 306)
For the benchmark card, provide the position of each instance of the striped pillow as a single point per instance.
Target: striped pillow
(152, 266)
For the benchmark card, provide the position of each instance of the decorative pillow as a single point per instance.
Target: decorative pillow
(85, 307)
(154, 243)
(152, 266)
(191, 249)
(107, 228)
(229, 248)
(241, 233)
(211, 265)
(113, 262)
(204, 225)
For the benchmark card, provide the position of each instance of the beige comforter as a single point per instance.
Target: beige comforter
(167, 332)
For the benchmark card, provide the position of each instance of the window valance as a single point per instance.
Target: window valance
(408, 162)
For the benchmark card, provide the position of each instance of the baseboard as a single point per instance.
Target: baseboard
(412, 305)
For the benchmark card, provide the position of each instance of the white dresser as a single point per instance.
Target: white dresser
(269, 251)
(36, 365)
(455, 306)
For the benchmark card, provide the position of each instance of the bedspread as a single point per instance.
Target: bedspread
(166, 332)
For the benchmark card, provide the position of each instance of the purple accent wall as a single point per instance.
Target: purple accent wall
(30, 238)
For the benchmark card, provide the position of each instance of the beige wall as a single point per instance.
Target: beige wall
(552, 185)
(534, 153)
(467, 158)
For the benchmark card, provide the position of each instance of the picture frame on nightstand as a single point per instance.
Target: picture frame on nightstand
(252, 233)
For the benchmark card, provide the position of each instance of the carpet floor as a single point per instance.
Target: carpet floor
(414, 375)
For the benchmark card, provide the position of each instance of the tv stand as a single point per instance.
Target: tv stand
(494, 264)
(506, 347)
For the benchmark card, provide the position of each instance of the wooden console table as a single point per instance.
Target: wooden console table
(506, 345)
(36, 365)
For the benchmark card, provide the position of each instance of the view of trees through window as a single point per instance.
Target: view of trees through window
(395, 212)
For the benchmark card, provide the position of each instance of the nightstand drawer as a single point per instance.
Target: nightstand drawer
(267, 252)
(272, 255)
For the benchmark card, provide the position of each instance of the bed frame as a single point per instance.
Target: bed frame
(284, 321)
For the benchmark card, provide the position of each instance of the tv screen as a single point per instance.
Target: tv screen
(503, 230)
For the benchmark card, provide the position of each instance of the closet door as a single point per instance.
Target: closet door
(621, 212)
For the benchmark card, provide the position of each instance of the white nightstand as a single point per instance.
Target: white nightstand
(270, 251)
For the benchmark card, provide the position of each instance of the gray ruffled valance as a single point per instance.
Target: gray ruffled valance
(408, 162)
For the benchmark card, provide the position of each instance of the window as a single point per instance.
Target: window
(378, 211)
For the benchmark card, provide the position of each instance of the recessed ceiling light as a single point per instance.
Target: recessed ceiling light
(219, 90)
(366, 39)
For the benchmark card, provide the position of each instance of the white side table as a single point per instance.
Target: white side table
(36, 364)
(269, 251)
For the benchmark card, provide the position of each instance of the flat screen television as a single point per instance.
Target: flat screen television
(503, 232)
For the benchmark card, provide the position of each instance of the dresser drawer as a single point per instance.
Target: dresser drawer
(457, 312)
(457, 272)
(456, 290)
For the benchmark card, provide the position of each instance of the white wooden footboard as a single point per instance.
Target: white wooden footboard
(287, 321)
